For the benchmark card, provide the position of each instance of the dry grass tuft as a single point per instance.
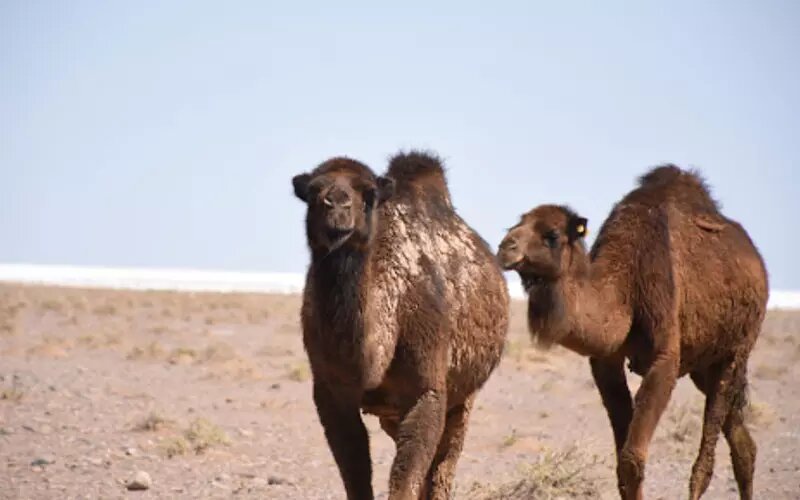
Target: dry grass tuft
(175, 446)
(683, 424)
(52, 305)
(13, 394)
(198, 437)
(7, 328)
(93, 341)
(759, 414)
(300, 372)
(151, 351)
(270, 350)
(219, 352)
(153, 422)
(548, 385)
(106, 309)
(159, 330)
(770, 372)
(182, 356)
(510, 439)
(521, 350)
(563, 474)
(204, 434)
(51, 347)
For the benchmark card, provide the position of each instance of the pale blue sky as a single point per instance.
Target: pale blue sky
(166, 133)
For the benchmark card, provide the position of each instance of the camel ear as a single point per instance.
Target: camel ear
(300, 183)
(577, 228)
(385, 188)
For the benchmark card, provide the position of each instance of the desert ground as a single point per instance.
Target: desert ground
(210, 395)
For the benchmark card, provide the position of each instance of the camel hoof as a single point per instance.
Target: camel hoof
(630, 474)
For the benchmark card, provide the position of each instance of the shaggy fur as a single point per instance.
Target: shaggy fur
(404, 316)
(671, 285)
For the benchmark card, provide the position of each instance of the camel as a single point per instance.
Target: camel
(404, 316)
(670, 284)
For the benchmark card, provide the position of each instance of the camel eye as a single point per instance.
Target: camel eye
(551, 238)
(369, 198)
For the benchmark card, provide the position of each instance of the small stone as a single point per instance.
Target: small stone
(139, 482)
(217, 484)
(223, 477)
(275, 480)
(42, 461)
(246, 432)
(131, 452)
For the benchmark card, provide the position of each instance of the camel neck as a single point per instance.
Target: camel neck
(583, 314)
(337, 285)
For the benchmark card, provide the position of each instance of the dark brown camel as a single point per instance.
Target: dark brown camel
(404, 316)
(670, 284)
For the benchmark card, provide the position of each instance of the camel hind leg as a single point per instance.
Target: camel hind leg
(723, 385)
(418, 433)
(439, 484)
(743, 451)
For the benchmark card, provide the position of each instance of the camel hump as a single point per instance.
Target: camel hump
(687, 187)
(419, 172)
(661, 175)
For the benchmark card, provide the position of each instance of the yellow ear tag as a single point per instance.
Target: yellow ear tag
(581, 230)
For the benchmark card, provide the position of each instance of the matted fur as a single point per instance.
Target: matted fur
(406, 322)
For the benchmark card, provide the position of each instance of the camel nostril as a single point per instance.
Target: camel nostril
(346, 204)
(508, 245)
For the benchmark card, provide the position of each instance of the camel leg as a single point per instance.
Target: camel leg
(717, 384)
(347, 438)
(609, 376)
(651, 400)
(741, 444)
(439, 485)
(743, 451)
(418, 434)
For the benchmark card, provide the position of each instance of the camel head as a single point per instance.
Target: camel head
(546, 244)
(342, 195)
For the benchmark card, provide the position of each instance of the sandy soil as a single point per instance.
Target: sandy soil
(210, 395)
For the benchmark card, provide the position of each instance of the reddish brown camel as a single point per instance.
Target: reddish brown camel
(404, 316)
(670, 284)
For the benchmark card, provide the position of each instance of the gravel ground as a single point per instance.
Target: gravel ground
(117, 394)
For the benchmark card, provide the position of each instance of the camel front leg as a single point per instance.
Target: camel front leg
(347, 437)
(609, 376)
(418, 435)
(651, 400)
